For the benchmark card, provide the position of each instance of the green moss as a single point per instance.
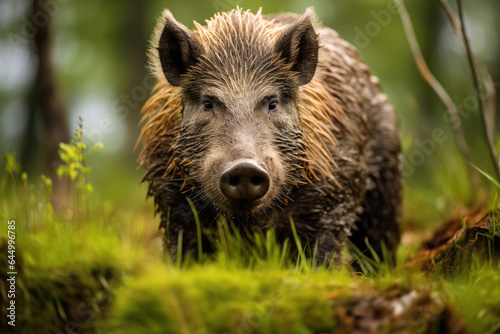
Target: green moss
(476, 293)
(108, 273)
(211, 299)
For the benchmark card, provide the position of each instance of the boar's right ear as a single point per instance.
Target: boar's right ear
(298, 46)
(173, 49)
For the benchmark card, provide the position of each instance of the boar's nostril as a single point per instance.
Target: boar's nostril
(234, 180)
(244, 179)
(256, 181)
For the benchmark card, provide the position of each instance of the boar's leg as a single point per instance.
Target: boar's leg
(177, 216)
(378, 224)
(323, 213)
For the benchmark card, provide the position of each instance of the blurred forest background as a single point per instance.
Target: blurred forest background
(89, 60)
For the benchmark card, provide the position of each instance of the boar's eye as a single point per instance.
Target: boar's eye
(272, 106)
(207, 105)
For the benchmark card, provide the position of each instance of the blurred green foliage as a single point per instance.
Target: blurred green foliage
(99, 52)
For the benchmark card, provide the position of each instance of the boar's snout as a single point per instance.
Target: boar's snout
(244, 180)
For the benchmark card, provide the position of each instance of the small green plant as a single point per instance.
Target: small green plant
(32, 201)
(488, 176)
(493, 218)
(75, 155)
(12, 169)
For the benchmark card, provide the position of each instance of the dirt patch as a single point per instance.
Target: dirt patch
(396, 310)
(458, 241)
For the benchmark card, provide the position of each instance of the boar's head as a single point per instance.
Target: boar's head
(240, 141)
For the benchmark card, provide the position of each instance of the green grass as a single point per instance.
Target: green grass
(215, 299)
(107, 271)
(476, 294)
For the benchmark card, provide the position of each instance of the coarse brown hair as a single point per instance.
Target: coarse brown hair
(162, 113)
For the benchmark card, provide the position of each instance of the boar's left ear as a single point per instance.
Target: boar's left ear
(298, 45)
(173, 49)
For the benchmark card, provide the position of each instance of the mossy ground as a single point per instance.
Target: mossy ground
(108, 274)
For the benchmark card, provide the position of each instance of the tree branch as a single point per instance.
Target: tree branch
(438, 89)
(477, 85)
(483, 69)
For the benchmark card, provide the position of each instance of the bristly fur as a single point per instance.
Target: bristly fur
(317, 108)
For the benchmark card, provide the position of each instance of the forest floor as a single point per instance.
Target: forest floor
(103, 270)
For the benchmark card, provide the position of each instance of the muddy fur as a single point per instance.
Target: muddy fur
(331, 147)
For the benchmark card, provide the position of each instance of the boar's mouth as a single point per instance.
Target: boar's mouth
(242, 208)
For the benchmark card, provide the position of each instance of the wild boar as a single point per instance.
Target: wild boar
(265, 118)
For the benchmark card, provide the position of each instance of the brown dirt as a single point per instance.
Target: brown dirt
(457, 241)
(396, 310)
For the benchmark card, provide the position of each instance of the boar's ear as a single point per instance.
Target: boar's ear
(298, 45)
(173, 49)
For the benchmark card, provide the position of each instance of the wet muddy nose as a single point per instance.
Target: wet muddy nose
(244, 180)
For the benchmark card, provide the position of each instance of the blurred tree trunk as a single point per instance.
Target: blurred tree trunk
(31, 146)
(50, 104)
(135, 41)
(431, 13)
